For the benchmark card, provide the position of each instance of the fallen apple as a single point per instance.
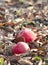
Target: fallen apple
(20, 47)
(27, 34)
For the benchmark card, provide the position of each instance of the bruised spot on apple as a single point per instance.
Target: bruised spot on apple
(27, 34)
(20, 47)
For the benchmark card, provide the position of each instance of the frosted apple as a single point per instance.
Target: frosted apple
(20, 48)
(27, 34)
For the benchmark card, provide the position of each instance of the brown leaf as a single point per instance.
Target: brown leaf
(19, 39)
(25, 62)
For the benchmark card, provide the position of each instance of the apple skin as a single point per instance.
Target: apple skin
(20, 47)
(27, 34)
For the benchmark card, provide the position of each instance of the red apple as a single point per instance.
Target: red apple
(20, 48)
(27, 34)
